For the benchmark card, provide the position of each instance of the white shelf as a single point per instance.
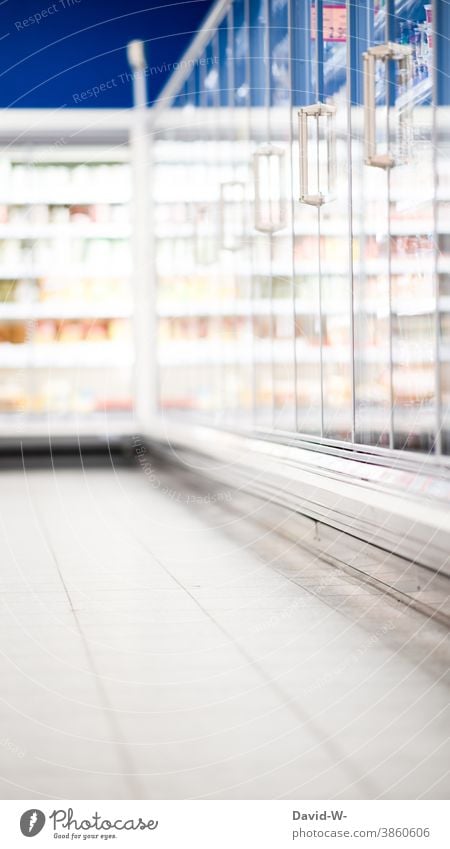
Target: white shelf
(406, 306)
(336, 227)
(242, 352)
(49, 310)
(399, 266)
(79, 198)
(65, 272)
(244, 308)
(178, 231)
(65, 231)
(58, 355)
(42, 154)
(399, 227)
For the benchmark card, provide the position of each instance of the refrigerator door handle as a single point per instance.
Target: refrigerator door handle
(269, 173)
(390, 52)
(317, 111)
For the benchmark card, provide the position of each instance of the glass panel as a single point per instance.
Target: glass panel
(307, 295)
(225, 281)
(240, 54)
(439, 34)
(260, 242)
(413, 296)
(395, 298)
(372, 358)
(281, 241)
(233, 189)
(209, 370)
(335, 278)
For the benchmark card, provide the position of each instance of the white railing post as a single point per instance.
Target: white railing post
(144, 271)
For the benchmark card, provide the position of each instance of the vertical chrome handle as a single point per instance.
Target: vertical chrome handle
(234, 240)
(317, 111)
(269, 171)
(401, 53)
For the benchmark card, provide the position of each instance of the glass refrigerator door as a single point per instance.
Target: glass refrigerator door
(224, 302)
(393, 224)
(260, 216)
(209, 370)
(278, 167)
(371, 237)
(306, 261)
(411, 228)
(329, 27)
(439, 34)
(235, 248)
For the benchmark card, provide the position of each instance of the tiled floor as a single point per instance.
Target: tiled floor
(152, 648)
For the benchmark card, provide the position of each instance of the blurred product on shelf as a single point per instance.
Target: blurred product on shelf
(14, 333)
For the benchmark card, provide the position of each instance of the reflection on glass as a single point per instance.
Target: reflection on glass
(280, 94)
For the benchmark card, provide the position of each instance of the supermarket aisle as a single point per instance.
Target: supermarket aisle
(147, 652)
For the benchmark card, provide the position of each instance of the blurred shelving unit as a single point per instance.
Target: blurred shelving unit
(66, 293)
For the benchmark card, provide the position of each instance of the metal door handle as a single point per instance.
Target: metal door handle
(317, 110)
(401, 53)
(269, 171)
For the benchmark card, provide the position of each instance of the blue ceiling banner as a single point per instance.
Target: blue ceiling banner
(71, 53)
